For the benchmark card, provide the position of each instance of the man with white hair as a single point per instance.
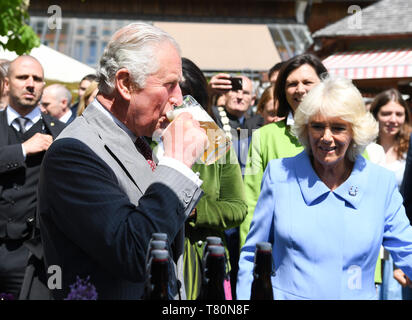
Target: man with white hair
(55, 101)
(101, 193)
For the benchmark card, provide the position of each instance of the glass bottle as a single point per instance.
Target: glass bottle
(157, 286)
(213, 274)
(262, 272)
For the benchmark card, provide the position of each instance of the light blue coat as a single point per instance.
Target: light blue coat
(326, 243)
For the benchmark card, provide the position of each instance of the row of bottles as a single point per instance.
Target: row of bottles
(215, 273)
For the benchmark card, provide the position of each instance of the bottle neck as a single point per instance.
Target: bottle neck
(215, 267)
(215, 276)
(263, 263)
(159, 279)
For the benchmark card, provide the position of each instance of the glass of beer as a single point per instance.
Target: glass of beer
(219, 143)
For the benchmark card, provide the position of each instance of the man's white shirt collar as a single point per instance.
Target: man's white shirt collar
(33, 116)
(99, 106)
(66, 116)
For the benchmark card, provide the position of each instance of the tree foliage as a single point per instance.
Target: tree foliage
(16, 34)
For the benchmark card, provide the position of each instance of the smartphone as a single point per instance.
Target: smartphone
(236, 83)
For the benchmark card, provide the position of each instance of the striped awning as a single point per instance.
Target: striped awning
(371, 64)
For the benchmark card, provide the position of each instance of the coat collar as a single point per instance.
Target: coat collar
(119, 143)
(312, 188)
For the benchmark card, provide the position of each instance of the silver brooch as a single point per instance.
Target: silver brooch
(353, 191)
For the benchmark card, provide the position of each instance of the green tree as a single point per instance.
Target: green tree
(17, 35)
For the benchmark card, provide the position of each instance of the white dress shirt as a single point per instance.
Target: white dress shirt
(32, 118)
(66, 116)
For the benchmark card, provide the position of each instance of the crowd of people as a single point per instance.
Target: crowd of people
(314, 171)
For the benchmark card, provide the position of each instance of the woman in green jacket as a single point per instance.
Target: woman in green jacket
(296, 77)
(222, 205)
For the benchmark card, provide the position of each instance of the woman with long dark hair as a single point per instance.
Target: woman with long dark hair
(272, 141)
(393, 115)
(394, 118)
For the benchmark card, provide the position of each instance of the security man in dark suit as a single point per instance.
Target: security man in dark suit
(25, 135)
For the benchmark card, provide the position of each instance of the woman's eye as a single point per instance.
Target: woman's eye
(385, 114)
(316, 126)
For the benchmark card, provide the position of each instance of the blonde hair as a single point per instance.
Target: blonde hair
(87, 93)
(337, 97)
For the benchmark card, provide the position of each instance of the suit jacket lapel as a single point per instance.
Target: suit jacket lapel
(4, 133)
(120, 146)
(53, 125)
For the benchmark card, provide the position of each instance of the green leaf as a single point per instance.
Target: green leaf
(21, 37)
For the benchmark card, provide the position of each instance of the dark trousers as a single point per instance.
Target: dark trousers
(13, 261)
(232, 240)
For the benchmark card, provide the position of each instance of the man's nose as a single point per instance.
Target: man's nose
(176, 98)
(239, 94)
(30, 82)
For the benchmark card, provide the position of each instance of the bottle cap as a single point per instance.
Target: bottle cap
(159, 236)
(160, 254)
(264, 246)
(214, 241)
(158, 244)
(216, 250)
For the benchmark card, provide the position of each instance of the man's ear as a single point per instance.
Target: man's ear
(64, 103)
(252, 103)
(6, 84)
(124, 84)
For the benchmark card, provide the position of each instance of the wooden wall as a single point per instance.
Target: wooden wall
(242, 11)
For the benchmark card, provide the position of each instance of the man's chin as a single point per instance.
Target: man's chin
(160, 128)
(28, 104)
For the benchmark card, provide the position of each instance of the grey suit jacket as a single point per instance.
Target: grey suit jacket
(157, 200)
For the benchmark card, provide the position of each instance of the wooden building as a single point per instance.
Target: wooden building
(243, 36)
(373, 47)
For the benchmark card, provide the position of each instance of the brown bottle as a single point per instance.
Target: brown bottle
(213, 274)
(262, 272)
(157, 286)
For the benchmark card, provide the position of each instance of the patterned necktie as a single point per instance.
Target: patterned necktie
(146, 151)
(21, 121)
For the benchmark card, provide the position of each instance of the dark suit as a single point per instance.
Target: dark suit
(18, 186)
(406, 187)
(241, 133)
(255, 122)
(74, 107)
(99, 203)
(72, 117)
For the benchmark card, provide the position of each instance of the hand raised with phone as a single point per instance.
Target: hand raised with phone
(223, 82)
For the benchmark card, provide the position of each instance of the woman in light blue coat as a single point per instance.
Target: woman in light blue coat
(327, 210)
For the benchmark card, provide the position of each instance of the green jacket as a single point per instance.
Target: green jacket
(222, 207)
(271, 141)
